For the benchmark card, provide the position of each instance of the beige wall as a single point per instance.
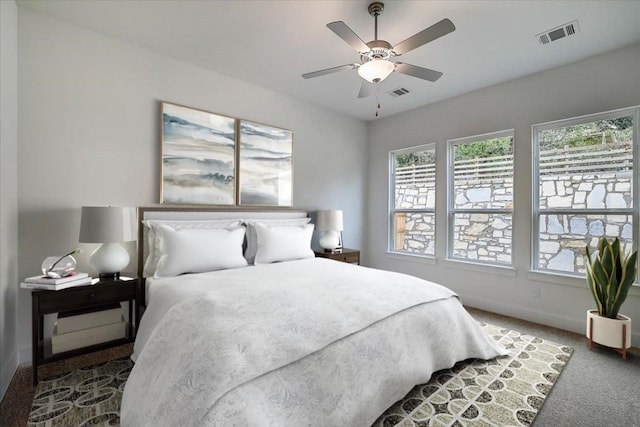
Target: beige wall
(8, 190)
(602, 83)
(89, 135)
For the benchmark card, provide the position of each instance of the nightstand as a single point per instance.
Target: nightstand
(351, 256)
(77, 298)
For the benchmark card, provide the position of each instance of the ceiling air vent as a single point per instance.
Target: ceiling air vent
(557, 33)
(399, 92)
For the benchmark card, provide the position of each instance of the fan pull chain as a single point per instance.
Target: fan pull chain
(377, 109)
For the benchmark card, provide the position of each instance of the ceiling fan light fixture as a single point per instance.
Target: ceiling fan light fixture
(376, 70)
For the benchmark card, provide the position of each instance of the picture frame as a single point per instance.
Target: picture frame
(198, 157)
(265, 165)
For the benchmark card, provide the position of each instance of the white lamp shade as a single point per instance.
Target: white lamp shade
(329, 220)
(376, 71)
(106, 224)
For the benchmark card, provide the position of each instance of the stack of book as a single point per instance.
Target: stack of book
(51, 284)
(82, 328)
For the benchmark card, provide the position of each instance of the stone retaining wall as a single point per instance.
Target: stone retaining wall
(563, 237)
(485, 237)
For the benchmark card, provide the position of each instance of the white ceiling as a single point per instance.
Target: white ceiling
(271, 43)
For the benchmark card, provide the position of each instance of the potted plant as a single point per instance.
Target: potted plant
(610, 274)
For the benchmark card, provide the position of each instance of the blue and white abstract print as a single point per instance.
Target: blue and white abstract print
(266, 157)
(198, 156)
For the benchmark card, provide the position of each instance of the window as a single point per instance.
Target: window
(413, 200)
(583, 188)
(480, 208)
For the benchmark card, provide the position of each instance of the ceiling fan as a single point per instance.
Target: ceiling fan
(377, 55)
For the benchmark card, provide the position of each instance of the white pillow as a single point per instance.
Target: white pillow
(252, 242)
(153, 240)
(283, 243)
(196, 250)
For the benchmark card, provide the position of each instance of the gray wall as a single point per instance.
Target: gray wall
(601, 83)
(89, 134)
(89, 124)
(8, 190)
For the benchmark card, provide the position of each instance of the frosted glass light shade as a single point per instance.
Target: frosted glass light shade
(376, 71)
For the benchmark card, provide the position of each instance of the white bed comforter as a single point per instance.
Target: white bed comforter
(309, 342)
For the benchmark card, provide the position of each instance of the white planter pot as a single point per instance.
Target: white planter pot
(607, 331)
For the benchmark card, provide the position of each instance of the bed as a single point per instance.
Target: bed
(284, 339)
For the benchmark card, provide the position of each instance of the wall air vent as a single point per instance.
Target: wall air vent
(399, 92)
(557, 33)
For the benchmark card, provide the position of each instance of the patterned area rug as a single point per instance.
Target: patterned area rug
(507, 391)
(84, 397)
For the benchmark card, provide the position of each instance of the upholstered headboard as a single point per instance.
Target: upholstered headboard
(203, 213)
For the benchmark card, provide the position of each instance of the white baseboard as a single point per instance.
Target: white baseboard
(6, 375)
(24, 355)
(561, 322)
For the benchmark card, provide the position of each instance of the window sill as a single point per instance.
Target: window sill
(408, 257)
(557, 278)
(500, 270)
(569, 280)
(461, 265)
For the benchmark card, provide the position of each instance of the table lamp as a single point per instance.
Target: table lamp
(110, 226)
(329, 223)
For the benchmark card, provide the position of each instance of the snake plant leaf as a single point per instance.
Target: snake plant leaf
(616, 247)
(589, 254)
(599, 274)
(600, 278)
(612, 289)
(617, 259)
(601, 244)
(592, 287)
(606, 257)
(628, 276)
(615, 275)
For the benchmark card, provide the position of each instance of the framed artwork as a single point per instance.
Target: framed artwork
(266, 165)
(198, 157)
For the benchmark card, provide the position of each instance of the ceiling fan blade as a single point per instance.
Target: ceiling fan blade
(345, 33)
(329, 71)
(425, 36)
(419, 72)
(366, 89)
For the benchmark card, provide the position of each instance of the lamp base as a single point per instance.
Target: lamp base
(109, 276)
(330, 241)
(333, 251)
(109, 257)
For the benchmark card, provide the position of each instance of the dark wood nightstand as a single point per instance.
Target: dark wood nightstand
(351, 256)
(77, 298)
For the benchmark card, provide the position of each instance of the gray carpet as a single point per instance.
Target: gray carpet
(597, 388)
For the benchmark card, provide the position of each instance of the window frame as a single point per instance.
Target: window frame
(392, 200)
(536, 213)
(451, 196)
